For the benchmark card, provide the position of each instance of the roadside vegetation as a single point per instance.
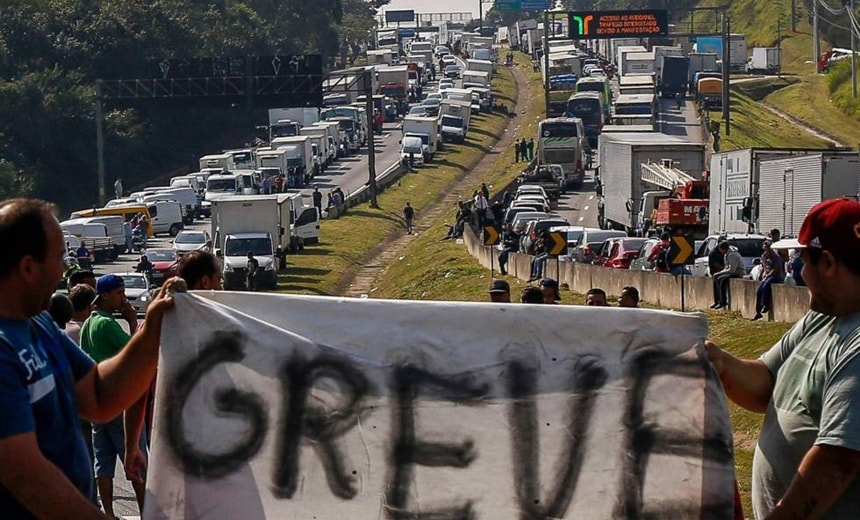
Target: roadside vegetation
(353, 239)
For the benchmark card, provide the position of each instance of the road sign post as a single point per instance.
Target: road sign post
(681, 255)
(491, 238)
(558, 246)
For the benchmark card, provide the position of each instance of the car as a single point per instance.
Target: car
(164, 264)
(531, 188)
(138, 291)
(749, 246)
(412, 146)
(189, 240)
(534, 197)
(574, 233)
(520, 221)
(448, 59)
(534, 205)
(419, 111)
(452, 71)
(441, 51)
(431, 106)
(618, 252)
(596, 73)
(640, 262)
(534, 229)
(444, 85)
(435, 95)
(590, 242)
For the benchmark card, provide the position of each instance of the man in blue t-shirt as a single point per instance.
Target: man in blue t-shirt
(46, 381)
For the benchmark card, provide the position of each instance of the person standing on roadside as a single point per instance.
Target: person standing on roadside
(771, 273)
(103, 338)
(44, 466)
(117, 188)
(807, 385)
(408, 216)
(481, 207)
(253, 268)
(530, 148)
(517, 149)
(317, 197)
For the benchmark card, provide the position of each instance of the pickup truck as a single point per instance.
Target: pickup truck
(544, 176)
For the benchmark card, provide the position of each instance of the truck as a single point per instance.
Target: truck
(474, 78)
(454, 118)
(284, 128)
(355, 113)
(679, 202)
(764, 60)
(336, 136)
(735, 181)
(673, 78)
(714, 44)
(427, 128)
(221, 161)
(380, 57)
(246, 224)
(328, 150)
(350, 132)
(300, 159)
(621, 51)
(480, 65)
(660, 54)
(393, 81)
(709, 92)
(272, 162)
(620, 185)
(92, 235)
(636, 63)
(700, 62)
(790, 187)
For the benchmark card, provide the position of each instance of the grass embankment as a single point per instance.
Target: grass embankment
(353, 239)
(753, 125)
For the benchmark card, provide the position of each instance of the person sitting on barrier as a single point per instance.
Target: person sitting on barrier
(659, 256)
(771, 273)
(542, 246)
(734, 268)
(510, 244)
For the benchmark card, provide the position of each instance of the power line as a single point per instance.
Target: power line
(831, 10)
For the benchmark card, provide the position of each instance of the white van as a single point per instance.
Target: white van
(223, 184)
(165, 217)
(186, 196)
(114, 227)
(186, 181)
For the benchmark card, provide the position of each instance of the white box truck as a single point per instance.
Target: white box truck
(636, 63)
(427, 128)
(245, 224)
(620, 172)
(328, 145)
(764, 60)
(300, 158)
(454, 119)
(336, 136)
(222, 161)
(475, 78)
(480, 65)
(789, 188)
(303, 115)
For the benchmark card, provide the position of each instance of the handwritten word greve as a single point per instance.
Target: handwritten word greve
(323, 429)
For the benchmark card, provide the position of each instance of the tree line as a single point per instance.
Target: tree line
(52, 51)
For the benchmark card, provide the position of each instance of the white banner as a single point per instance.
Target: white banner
(296, 407)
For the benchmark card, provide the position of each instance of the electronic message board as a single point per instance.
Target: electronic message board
(592, 25)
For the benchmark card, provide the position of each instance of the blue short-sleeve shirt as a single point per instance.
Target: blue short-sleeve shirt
(39, 366)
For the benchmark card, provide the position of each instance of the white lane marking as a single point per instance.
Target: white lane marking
(585, 208)
(590, 197)
(581, 219)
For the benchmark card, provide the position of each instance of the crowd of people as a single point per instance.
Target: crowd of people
(66, 359)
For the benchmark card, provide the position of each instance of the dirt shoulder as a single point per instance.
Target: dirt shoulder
(360, 280)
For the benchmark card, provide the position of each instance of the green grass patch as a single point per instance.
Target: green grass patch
(758, 89)
(346, 243)
(841, 89)
(753, 125)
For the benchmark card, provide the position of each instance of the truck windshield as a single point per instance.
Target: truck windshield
(335, 99)
(242, 159)
(641, 109)
(424, 137)
(395, 91)
(345, 125)
(221, 185)
(590, 86)
(452, 121)
(241, 246)
(283, 131)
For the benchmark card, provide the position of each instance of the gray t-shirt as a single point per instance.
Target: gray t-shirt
(816, 400)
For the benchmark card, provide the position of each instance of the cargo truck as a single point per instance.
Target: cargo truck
(764, 60)
(427, 128)
(660, 53)
(454, 118)
(673, 78)
(300, 159)
(475, 78)
(480, 65)
(735, 181)
(328, 150)
(303, 115)
(620, 184)
(700, 62)
(637, 63)
(789, 188)
(714, 44)
(221, 161)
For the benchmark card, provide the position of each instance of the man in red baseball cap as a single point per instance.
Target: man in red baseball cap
(808, 384)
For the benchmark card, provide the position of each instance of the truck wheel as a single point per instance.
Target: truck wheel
(174, 230)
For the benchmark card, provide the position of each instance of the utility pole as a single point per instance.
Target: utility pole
(100, 143)
(546, 60)
(727, 31)
(853, 51)
(816, 50)
(794, 15)
(371, 148)
(779, 46)
(481, 17)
